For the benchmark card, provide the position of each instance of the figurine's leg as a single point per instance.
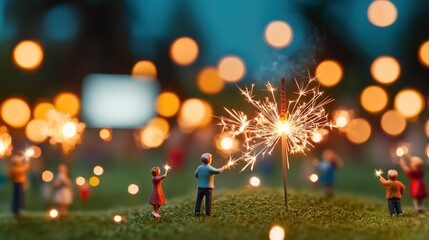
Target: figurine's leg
(419, 204)
(209, 194)
(416, 205)
(391, 206)
(398, 206)
(200, 195)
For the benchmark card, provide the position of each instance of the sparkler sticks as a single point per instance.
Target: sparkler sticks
(294, 125)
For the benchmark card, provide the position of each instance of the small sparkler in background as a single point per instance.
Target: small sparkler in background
(342, 118)
(167, 167)
(64, 129)
(28, 153)
(5, 142)
(378, 173)
(296, 123)
(313, 178)
(399, 151)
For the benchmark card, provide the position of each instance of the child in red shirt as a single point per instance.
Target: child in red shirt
(157, 197)
(417, 186)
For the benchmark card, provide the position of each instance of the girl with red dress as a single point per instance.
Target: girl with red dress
(417, 186)
(157, 197)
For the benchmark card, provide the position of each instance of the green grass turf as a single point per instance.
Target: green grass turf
(248, 214)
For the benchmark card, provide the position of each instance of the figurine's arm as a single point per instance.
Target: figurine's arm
(402, 188)
(21, 169)
(216, 170)
(384, 181)
(403, 165)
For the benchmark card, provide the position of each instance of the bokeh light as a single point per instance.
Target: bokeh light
(37, 130)
(385, 69)
(105, 134)
(167, 104)
(80, 181)
(255, 181)
(313, 177)
(145, 69)
(41, 110)
(424, 54)
(161, 124)
(195, 113)
(133, 189)
(341, 118)
(382, 13)
(28, 55)
(150, 136)
(358, 130)
(98, 170)
(393, 123)
(226, 143)
(47, 176)
(94, 181)
(184, 51)
(67, 102)
(316, 137)
(277, 233)
(278, 34)
(231, 68)
(374, 99)
(118, 218)
(209, 81)
(53, 213)
(329, 73)
(409, 102)
(15, 112)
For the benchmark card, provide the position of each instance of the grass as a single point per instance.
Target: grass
(248, 214)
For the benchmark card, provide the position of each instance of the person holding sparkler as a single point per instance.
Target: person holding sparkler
(394, 191)
(17, 173)
(415, 173)
(157, 198)
(64, 195)
(330, 162)
(205, 175)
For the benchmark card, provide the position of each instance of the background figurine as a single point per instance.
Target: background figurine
(84, 192)
(17, 172)
(415, 173)
(157, 197)
(330, 162)
(394, 191)
(205, 175)
(63, 195)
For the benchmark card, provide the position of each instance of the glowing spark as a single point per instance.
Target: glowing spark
(167, 167)
(378, 173)
(5, 142)
(118, 218)
(53, 213)
(303, 116)
(28, 153)
(313, 177)
(400, 152)
(255, 181)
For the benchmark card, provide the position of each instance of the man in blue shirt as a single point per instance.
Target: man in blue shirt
(205, 175)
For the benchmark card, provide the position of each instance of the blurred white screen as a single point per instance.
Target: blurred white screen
(118, 101)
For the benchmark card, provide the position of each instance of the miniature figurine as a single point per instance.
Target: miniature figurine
(64, 195)
(330, 162)
(205, 175)
(157, 198)
(415, 173)
(394, 191)
(17, 173)
(84, 192)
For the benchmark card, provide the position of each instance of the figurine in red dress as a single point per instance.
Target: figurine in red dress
(417, 186)
(157, 197)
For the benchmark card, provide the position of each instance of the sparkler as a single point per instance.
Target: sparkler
(167, 167)
(295, 124)
(28, 153)
(5, 142)
(378, 173)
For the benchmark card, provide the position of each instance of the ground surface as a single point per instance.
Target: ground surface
(248, 214)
